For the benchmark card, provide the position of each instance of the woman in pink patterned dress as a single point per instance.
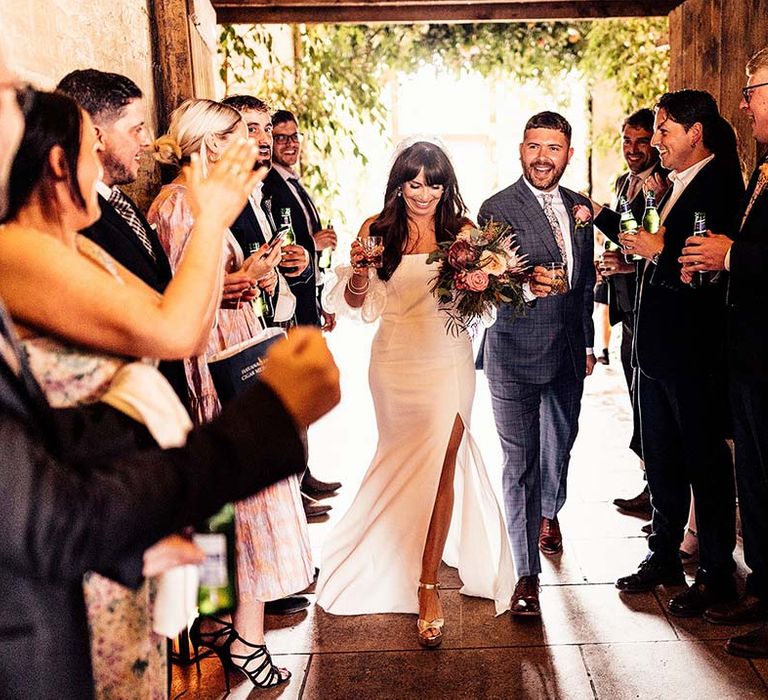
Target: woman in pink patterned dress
(83, 318)
(274, 557)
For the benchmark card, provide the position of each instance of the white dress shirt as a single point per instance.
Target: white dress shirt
(286, 301)
(680, 180)
(561, 214)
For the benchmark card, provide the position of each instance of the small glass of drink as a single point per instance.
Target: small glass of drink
(373, 251)
(559, 276)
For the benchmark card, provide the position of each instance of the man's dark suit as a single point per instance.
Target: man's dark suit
(77, 495)
(303, 288)
(247, 232)
(679, 352)
(535, 366)
(114, 235)
(622, 290)
(747, 343)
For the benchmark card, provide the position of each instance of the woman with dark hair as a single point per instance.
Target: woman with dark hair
(427, 485)
(82, 316)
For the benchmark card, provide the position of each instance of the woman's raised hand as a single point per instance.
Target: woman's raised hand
(221, 196)
(356, 255)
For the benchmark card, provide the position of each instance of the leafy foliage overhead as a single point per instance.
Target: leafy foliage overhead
(339, 72)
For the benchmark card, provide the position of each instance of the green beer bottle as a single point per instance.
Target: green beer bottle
(627, 224)
(699, 279)
(651, 214)
(326, 256)
(216, 594)
(286, 227)
(262, 304)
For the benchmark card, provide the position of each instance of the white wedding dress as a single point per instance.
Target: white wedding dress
(421, 378)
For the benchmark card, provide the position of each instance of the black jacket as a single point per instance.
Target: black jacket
(113, 234)
(78, 495)
(680, 330)
(748, 290)
(303, 287)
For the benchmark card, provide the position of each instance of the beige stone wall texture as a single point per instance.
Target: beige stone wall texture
(45, 39)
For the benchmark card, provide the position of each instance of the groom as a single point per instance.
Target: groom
(536, 363)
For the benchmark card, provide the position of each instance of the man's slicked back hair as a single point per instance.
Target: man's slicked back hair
(102, 95)
(246, 102)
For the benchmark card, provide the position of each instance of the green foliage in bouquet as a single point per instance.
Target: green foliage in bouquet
(479, 272)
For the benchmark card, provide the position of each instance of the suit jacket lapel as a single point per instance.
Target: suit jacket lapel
(534, 212)
(110, 216)
(576, 242)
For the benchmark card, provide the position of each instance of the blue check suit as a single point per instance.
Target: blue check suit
(535, 366)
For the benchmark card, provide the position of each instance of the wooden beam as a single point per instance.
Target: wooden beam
(358, 11)
(173, 56)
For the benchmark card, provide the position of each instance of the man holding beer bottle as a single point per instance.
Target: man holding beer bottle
(746, 259)
(679, 357)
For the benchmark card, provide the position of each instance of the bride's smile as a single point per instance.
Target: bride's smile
(420, 197)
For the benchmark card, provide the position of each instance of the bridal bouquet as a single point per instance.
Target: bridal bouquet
(479, 271)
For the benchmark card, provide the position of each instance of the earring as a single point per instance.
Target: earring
(399, 191)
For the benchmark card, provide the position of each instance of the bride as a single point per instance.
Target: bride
(426, 495)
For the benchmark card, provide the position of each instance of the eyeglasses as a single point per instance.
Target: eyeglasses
(747, 91)
(285, 138)
(25, 94)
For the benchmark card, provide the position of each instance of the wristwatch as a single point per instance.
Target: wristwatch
(655, 257)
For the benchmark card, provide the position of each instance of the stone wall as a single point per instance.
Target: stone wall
(45, 39)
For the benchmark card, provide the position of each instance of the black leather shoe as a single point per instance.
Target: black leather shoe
(753, 645)
(650, 574)
(647, 529)
(314, 487)
(745, 609)
(313, 509)
(702, 595)
(286, 606)
(639, 505)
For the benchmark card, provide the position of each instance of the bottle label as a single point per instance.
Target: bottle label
(213, 570)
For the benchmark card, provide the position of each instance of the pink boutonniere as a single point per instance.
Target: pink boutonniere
(582, 215)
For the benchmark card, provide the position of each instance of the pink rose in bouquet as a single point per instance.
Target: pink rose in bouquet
(461, 254)
(476, 280)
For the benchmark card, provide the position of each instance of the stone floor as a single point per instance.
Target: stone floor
(591, 642)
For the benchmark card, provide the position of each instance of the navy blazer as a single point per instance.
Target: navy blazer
(303, 287)
(112, 233)
(747, 289)
(553, 334)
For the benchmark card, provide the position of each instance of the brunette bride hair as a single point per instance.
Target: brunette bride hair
(392, 221)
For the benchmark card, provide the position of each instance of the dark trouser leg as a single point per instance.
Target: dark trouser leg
(749, 400)
(669, 487)
(558, 427)
(709, 466)
(516, 411)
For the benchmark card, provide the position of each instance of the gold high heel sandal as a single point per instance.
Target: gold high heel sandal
(427, 628)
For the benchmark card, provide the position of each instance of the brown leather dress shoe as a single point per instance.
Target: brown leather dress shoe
(525, 599)
(745, 609)
(639, 505)
(550, 537)
(753, 645)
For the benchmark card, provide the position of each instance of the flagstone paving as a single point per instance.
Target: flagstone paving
(590, 643)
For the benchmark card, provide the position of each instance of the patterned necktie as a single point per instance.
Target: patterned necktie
(123, 207)
(549, 212)
(308, 204)
(760, 185)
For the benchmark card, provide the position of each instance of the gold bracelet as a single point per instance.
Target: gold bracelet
(358, 291)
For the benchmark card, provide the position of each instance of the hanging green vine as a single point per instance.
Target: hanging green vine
(336, 80)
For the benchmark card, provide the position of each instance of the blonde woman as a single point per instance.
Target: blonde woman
(82, 317)
(273, 550)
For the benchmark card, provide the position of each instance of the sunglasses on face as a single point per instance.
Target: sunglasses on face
(747, 91)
